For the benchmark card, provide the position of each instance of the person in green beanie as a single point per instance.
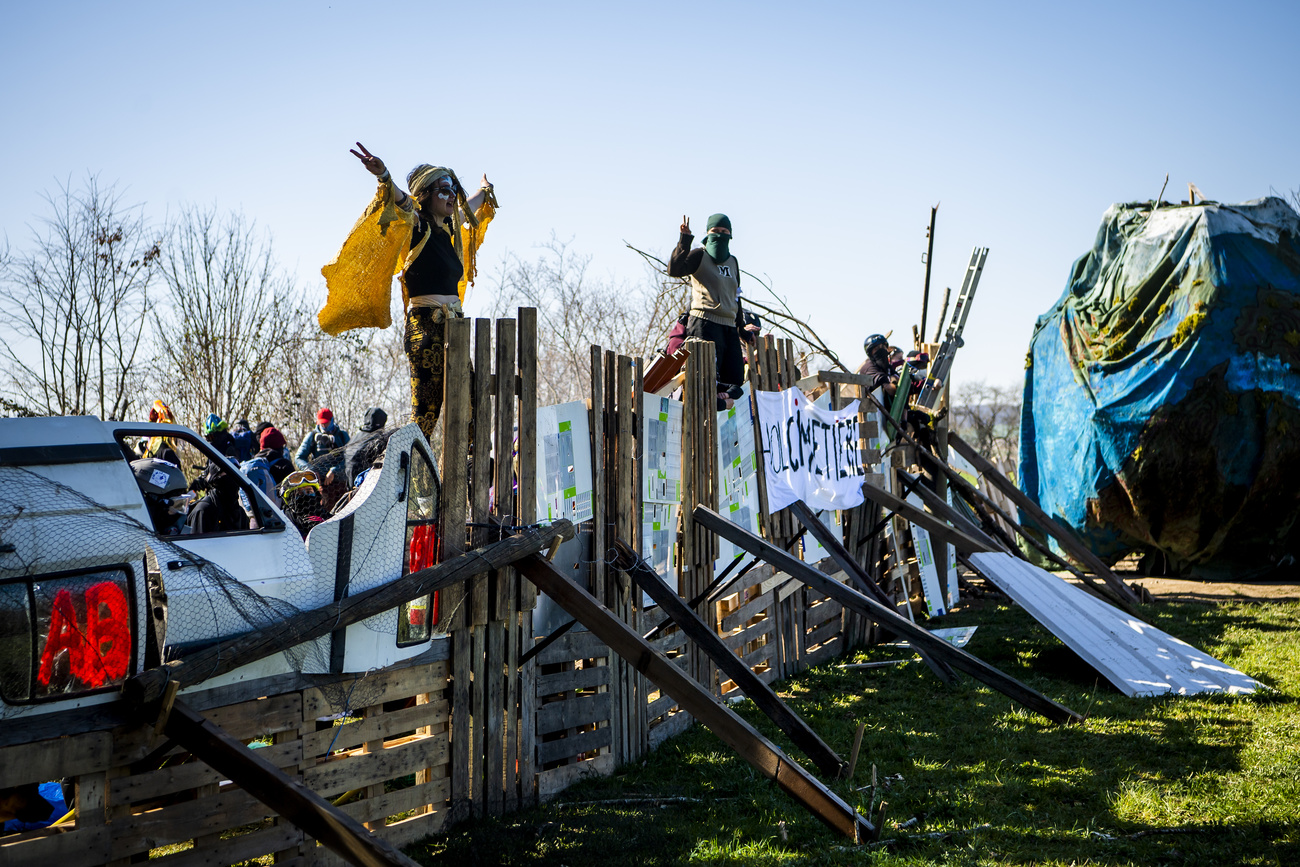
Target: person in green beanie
(715, 314)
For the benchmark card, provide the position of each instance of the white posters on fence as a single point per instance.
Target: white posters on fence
(661, 472)
(563, 462)
(809, 454)
(737, 473)
(953, 590)
(813, 552)
(936, 602)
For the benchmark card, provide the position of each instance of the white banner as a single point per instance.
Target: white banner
(809, 454)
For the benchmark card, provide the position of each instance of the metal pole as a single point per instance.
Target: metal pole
(929, 255)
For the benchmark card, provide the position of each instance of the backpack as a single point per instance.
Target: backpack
(258, 471)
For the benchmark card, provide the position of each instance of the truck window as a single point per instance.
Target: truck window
(416, 618)
(214, 500)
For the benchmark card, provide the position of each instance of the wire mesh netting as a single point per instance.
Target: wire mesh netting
(105, 572)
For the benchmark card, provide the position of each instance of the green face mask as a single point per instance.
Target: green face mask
(717, 245)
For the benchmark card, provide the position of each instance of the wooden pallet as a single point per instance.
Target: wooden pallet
(138, 797)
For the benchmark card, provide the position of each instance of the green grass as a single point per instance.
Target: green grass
(1189, 781)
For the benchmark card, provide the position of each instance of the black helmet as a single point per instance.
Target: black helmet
(873, 340)
(158, 477)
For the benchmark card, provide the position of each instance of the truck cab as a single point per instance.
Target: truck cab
(98, 581)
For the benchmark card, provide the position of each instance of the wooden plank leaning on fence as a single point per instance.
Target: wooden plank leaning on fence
(1063, 536)
(859, 576)
(706, 638)
(919, 637)
(290, 798)
(758, 751)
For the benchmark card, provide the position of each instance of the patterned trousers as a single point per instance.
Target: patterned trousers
(426, 349)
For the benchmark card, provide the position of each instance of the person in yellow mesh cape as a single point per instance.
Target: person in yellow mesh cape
(430, 238)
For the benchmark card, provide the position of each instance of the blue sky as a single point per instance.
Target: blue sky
(825, 130)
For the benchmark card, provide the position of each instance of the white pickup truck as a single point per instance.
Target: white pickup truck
(92, 593)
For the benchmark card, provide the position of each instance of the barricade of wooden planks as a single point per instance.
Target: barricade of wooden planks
(472, 731)
(490, 621)
(389, 757)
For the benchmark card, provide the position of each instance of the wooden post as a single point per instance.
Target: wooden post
(525, 720)
(614, 584)
(455, 423)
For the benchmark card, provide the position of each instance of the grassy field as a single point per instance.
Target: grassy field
(968, 778)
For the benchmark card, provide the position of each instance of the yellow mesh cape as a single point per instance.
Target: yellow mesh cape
(360, 277)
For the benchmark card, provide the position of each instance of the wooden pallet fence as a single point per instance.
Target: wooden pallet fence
(699, 547)
(493, 729)
(616, 383)
(663, 718)
(575, 712)
(137, 799)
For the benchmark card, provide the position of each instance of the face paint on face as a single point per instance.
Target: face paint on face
(439, 201)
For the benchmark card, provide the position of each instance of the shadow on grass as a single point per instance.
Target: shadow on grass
(960, 758)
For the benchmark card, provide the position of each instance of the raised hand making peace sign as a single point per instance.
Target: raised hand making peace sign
(373, 164)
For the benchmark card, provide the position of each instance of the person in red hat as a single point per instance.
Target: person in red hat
(273, 452)
(322, 439)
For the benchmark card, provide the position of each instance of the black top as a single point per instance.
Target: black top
(437, 270)
(879, 375)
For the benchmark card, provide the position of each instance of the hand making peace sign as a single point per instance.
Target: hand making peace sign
(373, 164)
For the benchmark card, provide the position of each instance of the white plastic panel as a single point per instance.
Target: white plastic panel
(1135, 656)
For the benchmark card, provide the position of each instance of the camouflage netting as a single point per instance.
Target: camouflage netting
(1162, 393)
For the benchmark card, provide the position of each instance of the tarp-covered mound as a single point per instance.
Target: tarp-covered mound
(1162, 391)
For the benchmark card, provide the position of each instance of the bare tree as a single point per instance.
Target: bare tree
(75, 306)
(775, 315)
(229, 312)
(348, 373)
(574, 311)
(988, 417)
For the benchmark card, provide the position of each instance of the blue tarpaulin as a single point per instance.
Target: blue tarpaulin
(1162, 390)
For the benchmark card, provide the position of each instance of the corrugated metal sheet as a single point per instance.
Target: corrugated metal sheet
(1135, 656)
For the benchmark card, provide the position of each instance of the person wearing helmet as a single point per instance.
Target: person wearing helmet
(217, 432)
(716, 314)
(163, 486)
(877, 365)
(322, 439)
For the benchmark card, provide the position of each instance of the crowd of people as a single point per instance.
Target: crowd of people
(308, 483)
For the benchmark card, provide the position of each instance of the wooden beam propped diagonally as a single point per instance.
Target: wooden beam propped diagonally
(758, 751)
(732, 665)
(919, 637)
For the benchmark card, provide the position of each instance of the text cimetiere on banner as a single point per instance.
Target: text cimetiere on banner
(810, 454)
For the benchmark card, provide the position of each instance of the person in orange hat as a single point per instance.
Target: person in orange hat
(162, 448)
(322, 439)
